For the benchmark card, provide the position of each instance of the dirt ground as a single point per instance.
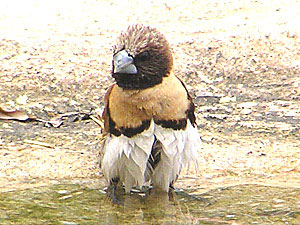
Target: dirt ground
(239, 59)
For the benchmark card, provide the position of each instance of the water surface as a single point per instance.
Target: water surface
(82, 204)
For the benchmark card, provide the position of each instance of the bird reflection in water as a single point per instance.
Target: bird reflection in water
(139, 207)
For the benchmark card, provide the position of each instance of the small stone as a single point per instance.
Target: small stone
(230, 216)
(227, 99)
(22, 99)
(246, 111)
(62, 192)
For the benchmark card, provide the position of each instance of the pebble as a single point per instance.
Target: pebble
(227, 99)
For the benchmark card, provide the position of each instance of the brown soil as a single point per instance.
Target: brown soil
(239, 60)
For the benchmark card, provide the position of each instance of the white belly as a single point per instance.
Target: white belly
(127, 158)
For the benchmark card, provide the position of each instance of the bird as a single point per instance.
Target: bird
(149, 116)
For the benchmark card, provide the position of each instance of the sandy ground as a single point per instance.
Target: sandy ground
(239, 59)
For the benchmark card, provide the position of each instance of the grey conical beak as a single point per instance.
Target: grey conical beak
(123, 63)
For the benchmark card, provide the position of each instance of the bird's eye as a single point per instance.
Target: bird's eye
(143, 56)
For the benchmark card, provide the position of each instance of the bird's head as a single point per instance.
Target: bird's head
(142, 57)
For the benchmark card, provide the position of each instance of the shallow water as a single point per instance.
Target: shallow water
(82, 204)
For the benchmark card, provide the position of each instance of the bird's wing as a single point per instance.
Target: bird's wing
(191, 111)
(105, 114)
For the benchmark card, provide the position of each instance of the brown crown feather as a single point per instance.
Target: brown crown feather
(137, 40)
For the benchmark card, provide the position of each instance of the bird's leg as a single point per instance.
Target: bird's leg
(171, 192)
(171, 187)
(112, 189)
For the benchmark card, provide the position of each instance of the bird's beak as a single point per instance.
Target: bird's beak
(123, 63)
